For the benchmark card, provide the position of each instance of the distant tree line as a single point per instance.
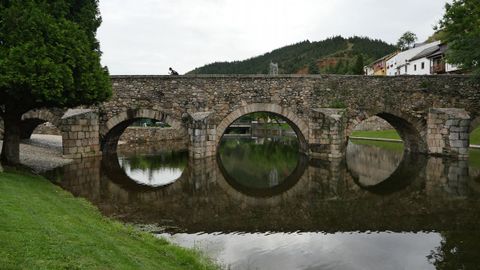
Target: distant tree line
(348, 55)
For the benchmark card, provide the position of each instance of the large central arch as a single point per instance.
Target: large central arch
(298, 125)
(115, 126)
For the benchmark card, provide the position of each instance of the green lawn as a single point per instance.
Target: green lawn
(44, 227)
(392, 134)
(383, 134)
(475, 136)
(393, 146)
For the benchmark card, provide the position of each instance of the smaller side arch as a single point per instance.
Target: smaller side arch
(298, 125)
(31, 119)
(111, 131)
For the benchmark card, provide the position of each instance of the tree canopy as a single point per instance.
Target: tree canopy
(49, 57)
(313, 68)
(358, 66)
(460, 28)
(406, 41)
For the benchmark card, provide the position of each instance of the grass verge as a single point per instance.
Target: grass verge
(382, 134)
(45, 227)
(392, 134)
(393, 146)
(475, 136)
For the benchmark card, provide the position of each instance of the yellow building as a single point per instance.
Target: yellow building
(379, 67)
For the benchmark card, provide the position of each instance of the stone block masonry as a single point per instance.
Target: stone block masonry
(202, 135)
(80, 135)
(203, 107)
(327, 133)
(403, 101)
(448, 132)
(151, 135)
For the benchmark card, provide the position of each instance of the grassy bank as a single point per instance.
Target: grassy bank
(392, 134)
(475, 136)
(44, 227)
(383, 134)
(393, 146)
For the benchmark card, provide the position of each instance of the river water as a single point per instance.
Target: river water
(260, 204)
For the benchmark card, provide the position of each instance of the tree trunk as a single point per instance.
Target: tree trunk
(11, 140)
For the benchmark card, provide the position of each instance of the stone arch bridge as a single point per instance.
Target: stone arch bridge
(432, 114)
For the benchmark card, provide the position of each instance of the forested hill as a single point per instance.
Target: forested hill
(335, 55)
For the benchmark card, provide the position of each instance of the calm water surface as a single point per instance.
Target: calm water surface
(261, 205)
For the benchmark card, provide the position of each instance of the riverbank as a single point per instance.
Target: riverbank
(45, 227)
(392, 136)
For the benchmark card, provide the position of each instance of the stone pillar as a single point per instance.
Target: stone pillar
(202, 134)
(80, 134)
(327, 133)
(448, 132)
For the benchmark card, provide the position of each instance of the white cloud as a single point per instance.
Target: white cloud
(148, 36)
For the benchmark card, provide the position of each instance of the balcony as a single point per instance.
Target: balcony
(438, 68)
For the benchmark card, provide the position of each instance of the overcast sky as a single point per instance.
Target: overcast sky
(149, 36)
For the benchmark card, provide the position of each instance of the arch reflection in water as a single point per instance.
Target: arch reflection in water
(157, 170)
(261, 166)
(382, 171)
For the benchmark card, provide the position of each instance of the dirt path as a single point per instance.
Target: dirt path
(42, 152)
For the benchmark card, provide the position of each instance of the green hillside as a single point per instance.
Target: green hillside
(336, 55)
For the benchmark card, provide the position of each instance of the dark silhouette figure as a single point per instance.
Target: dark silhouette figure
(172, 72)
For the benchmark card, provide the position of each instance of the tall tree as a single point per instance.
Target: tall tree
(460, 27)
(406, 41)
(339, 67)
(358, 66)
(49, 57)
(313, 68)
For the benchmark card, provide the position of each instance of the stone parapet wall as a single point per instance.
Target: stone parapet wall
(152, 134)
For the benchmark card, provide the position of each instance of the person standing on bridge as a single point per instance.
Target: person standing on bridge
(172, 72)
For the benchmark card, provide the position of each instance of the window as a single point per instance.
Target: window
(423, 65)
(414, 67)
(405, 69)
